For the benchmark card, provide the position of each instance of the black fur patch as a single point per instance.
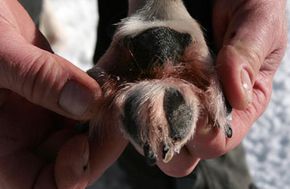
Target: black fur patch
(155, 45)
(130, 120)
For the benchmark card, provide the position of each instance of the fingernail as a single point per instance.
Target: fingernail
(247, 85)
(75, 99)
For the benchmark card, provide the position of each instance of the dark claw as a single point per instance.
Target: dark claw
(228, 131)
(228, 107)
(165, 151)
(149, 155)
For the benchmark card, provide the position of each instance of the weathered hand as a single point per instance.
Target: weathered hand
(39, 148)
(251, 38)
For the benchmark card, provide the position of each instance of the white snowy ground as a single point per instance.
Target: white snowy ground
(268, 143)
(76, 24)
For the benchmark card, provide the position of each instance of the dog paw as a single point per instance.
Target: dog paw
(159, 77)
(159, 117)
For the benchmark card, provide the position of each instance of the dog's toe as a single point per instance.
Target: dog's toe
(158, 118)
(228, 131)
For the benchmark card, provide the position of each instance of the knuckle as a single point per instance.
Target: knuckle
(38, 78)
(255, 59)
(252, 55)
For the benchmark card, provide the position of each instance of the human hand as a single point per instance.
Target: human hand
(40, 149)
(251, 39)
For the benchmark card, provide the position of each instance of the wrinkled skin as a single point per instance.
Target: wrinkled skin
(248, 39)
(250, 35)
(41, 149)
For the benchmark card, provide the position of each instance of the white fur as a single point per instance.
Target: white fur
(160, 13)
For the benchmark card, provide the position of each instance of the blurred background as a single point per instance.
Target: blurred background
(71, 27)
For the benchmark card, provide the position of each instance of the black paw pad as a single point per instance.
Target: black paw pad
(178, 114)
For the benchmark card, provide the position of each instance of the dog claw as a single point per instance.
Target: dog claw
(166, 149)
(228, 131)
(228, 128)
(149, 155)
(167, 153)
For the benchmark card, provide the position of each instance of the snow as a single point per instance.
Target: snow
(267, 144)
(76, 23)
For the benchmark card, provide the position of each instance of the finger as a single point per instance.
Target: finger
(181, 165)
(211, 142)
(15, 16)
(81, 161)
(248, 39)
(45, 178)
(50, 147)
(71, 167)
(243, 120)
(45, 78)
(19, 169)
(106, 145)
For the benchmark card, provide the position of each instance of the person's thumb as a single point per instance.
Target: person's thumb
(46, 79)
(245, 40)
